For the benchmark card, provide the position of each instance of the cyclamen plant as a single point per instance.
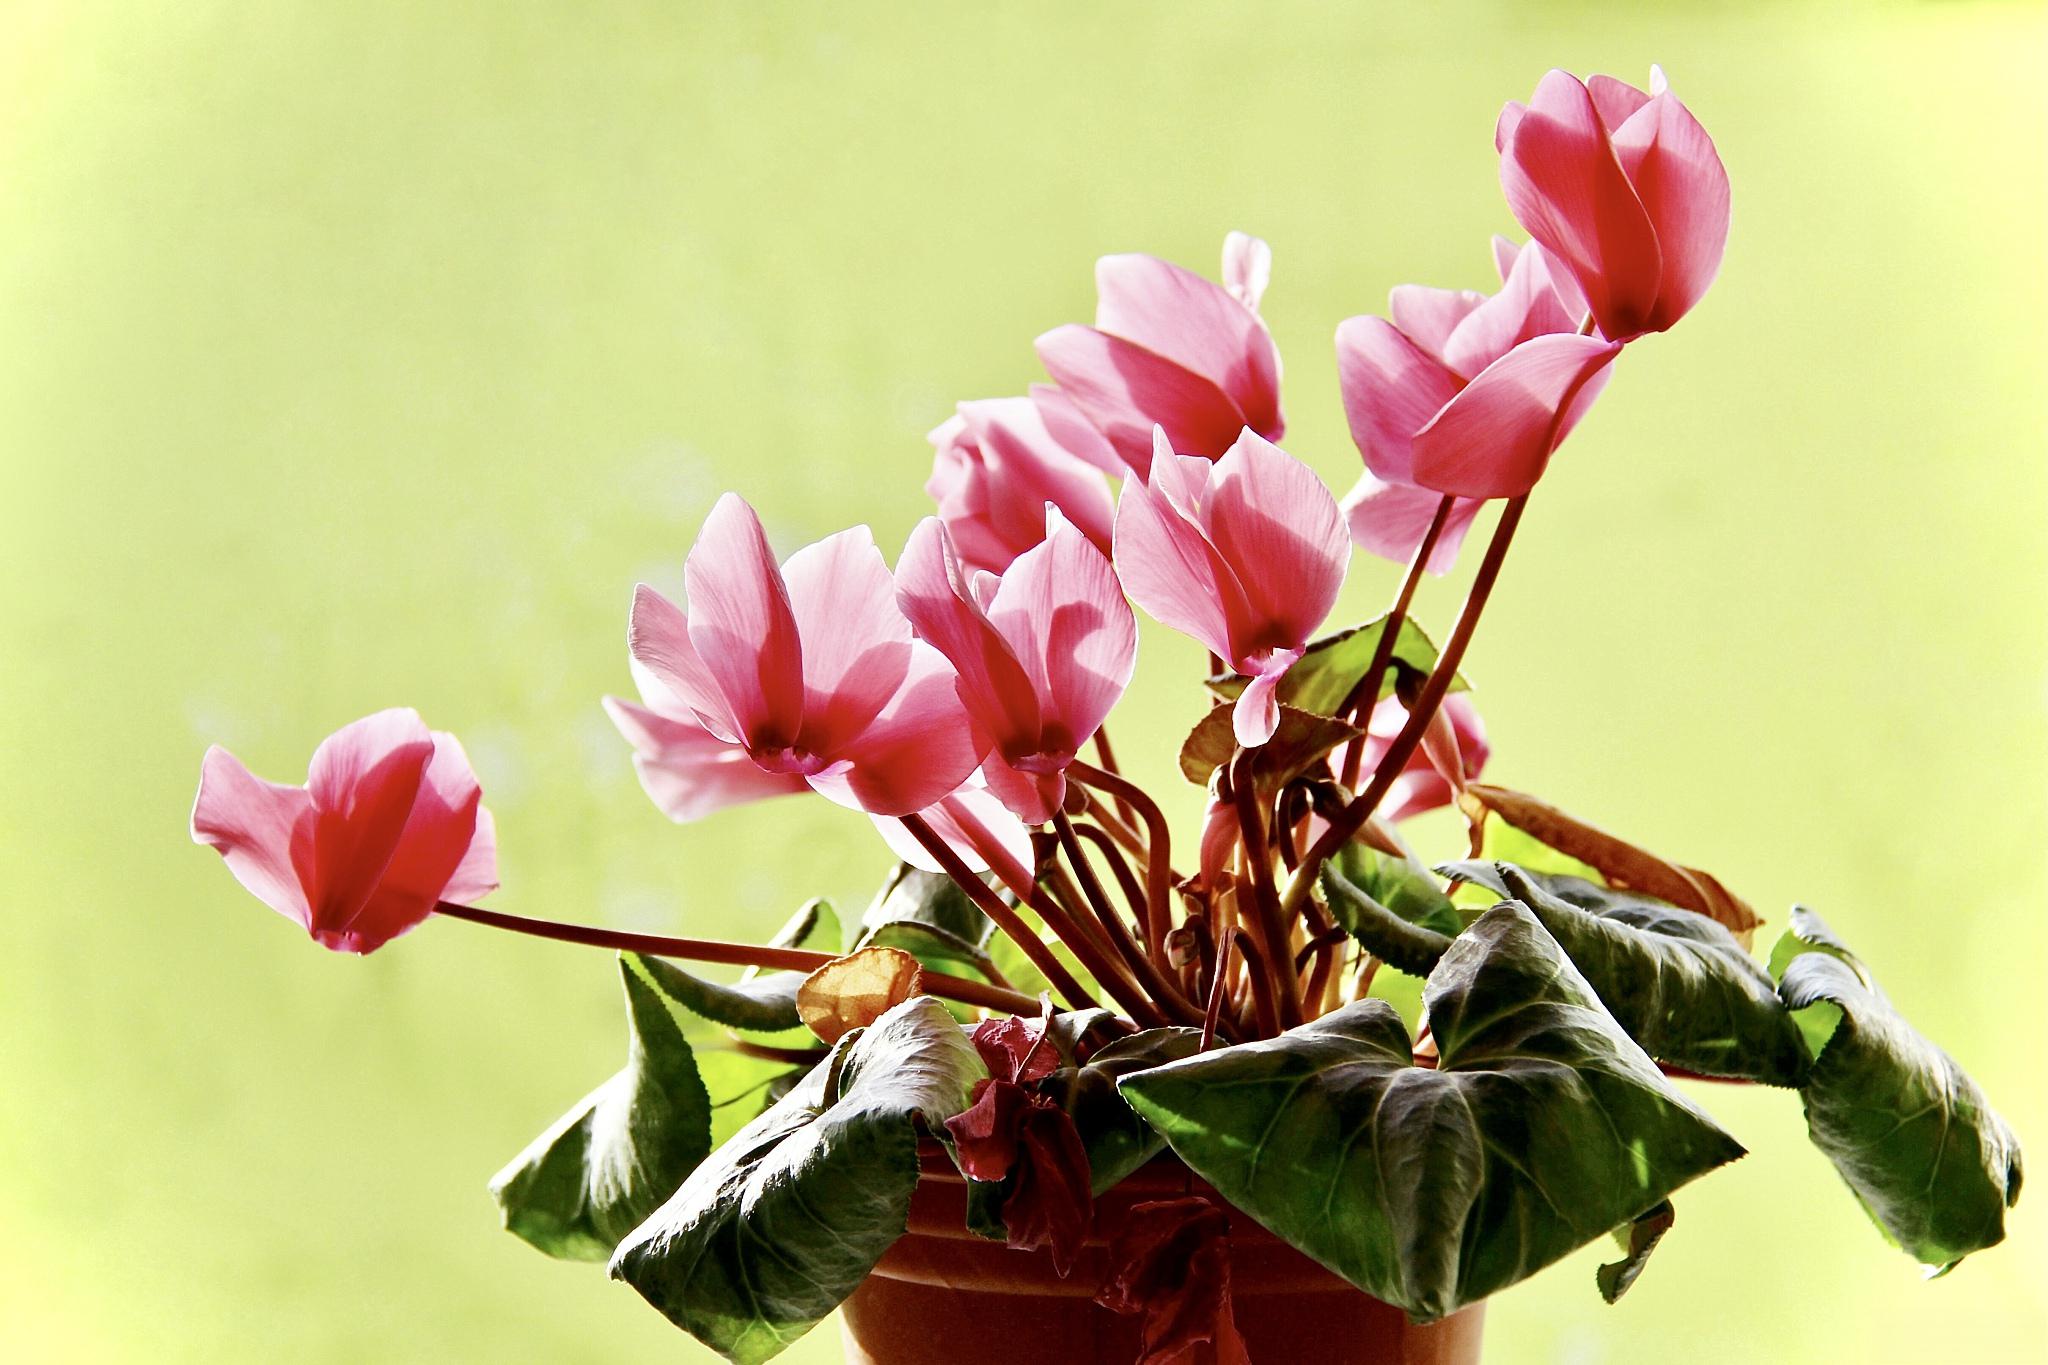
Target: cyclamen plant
(1051, 990)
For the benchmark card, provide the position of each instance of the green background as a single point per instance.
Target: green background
(355, 355)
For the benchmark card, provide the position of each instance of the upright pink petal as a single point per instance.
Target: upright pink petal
(1071, 429)
(1126, 389)
(1615, 100)
(686, 770)
(1247, 268)
(996, 465)
(1275, 523)
(476, 875)
(1390, 520)
(1427, 316)
(742, 626)
(658, 640)
(1494, 439)
(1391, 389)
(1566, 188)
(1678, 175)
(1420, 787)
(263, 830)
(1196, 324)
(932, 590)
(363, 780)
(1526, 306)
(1062, 611)
(856, 644)
(920, 748)
(1168, 568)
(438, 839)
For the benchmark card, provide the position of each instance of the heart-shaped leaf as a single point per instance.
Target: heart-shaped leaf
(1407, 947)
(926, 915)
(780, 1224)
(1543, 1127)
(1331, 666)
(1300, 745)
(1678, 982)
(1908, 1130)
(589, 1180)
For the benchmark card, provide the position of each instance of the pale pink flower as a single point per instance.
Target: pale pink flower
(808, 669)
(998, 461)
(1625, 188)
(1454, 744)
(1043, 650)
(389, 823)
(1172, 349)
(1245, 554)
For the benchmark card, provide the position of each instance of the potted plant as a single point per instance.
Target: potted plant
(1067, 1090)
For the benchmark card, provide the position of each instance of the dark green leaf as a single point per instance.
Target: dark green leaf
(780, 1224)
(1333, 665)
(1678, 982)
(1117, 1140)
(1543, 1127)
(589, 1180)
(761, 1004)
(1408, 947)
(926, 915)
(1403, 885)
(1909, 1132)
(1300, 745)
(1637, 1240)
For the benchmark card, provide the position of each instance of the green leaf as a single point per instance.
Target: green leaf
(589, 1180)
(1301, 743)
(1637, 1240)
(1403, 885)
(1677, 981)
(1543, 1127)
(1408, 947)
(1330, 667)
(1117, 1140)
(814, 926)
(1909, 1132)
(926, 915)
(762, 1004)
(780, 1224)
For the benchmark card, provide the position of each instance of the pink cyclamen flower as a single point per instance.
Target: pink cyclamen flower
(1462, 393)
(1245, 554)
(808, 669)
(1625, 187)
(389, 823)
(1172, 349)
(998, 461)
(1043, 650)
(1455, 743)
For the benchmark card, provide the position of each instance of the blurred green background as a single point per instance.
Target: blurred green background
(363, 354)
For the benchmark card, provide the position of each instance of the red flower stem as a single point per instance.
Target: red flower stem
(1006, 919)
(1114, 826)
(1262, 983)
(1108, 757)
(1165, 994)
(1119, 867)
(1270, 918)
(1356, 812)
(731, 954)
(1212, 1017)
(1365, 693)
(1158, 849)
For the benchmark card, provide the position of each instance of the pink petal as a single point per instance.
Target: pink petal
(1496, 436)
(476, 875)
(933, 591)
(1024, 468)
(1504, 254)
(363, 780)
(970, 820)
(1167, 567)
(921, 747)
(1070, 427)
(1196, 324)
(255, 826)
(687, 771)
(742, 627)
(1247, 268)
(1678, 175)
(1428, 316)
(1615, 100)
(1063, 614)
(1390, 520)
(1257, 713)
(1125, 390)
(1028, 798)
(658, 642)
(1273, 521)
(1392, 389)
(1565, 187)
(438, 841)
(856, 644)
(1526, 306)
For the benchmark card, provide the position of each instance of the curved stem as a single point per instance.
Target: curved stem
(1164, 993)
(1357, 811)
(1365, 693)
(1271, 919)
(1006, 919)
(716, 950)
(1158, 848)
(1261, 980)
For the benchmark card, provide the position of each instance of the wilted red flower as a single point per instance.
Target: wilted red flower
(1172, 1260)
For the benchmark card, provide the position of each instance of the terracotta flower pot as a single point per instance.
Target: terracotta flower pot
(943, 1296)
